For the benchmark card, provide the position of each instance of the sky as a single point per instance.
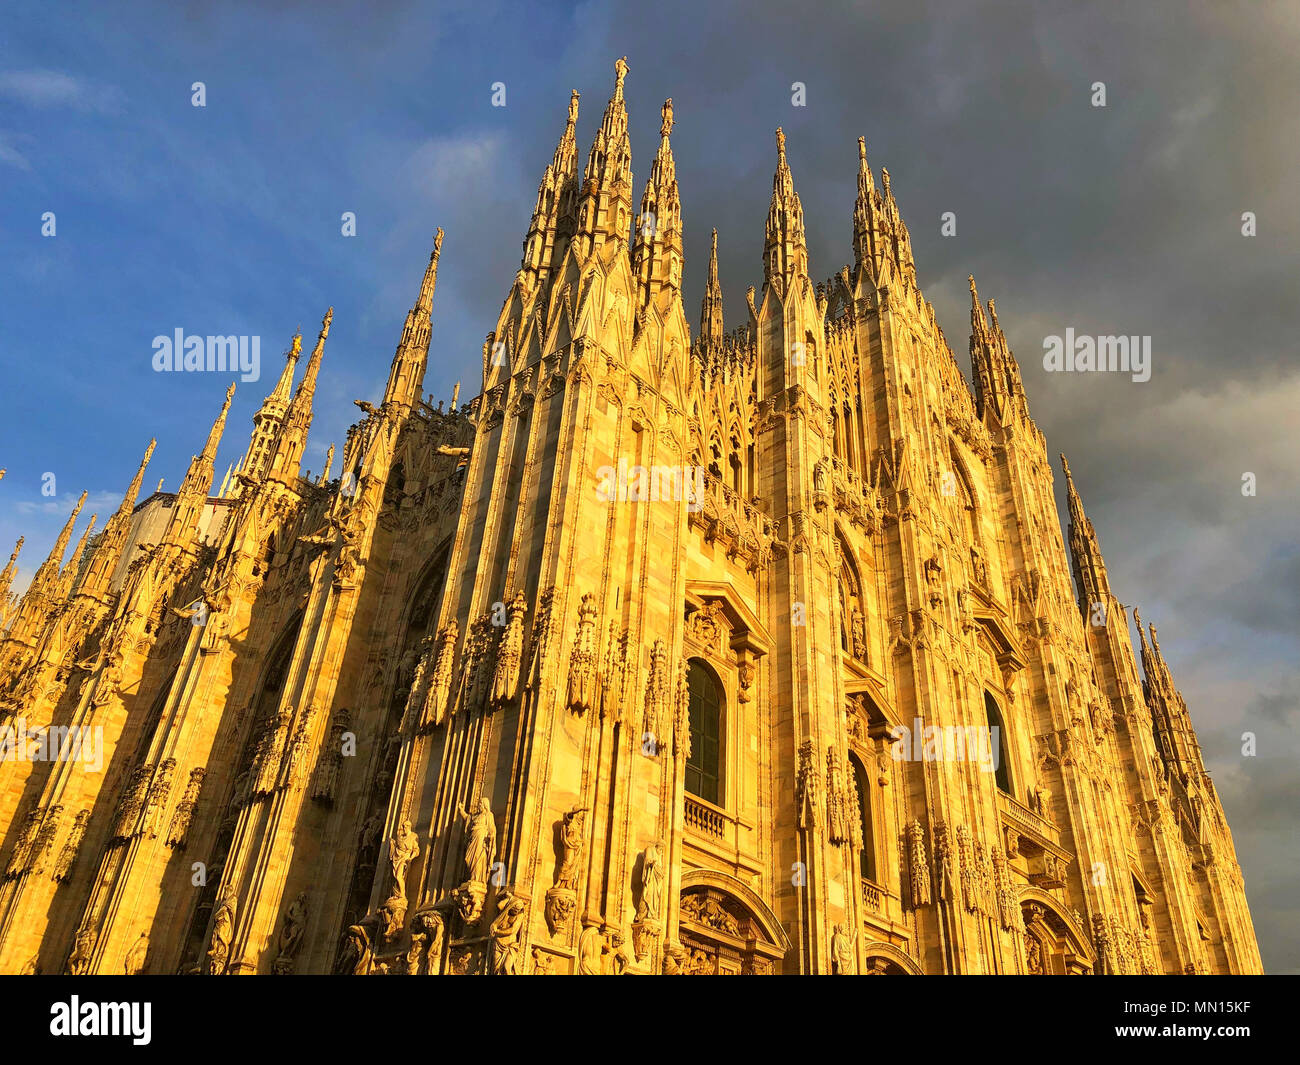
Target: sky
(1127, 218)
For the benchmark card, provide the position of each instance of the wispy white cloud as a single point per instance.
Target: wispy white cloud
(52, 88)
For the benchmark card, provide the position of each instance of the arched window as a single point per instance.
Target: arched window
(867, 856)
(704, 766)
(998, 742)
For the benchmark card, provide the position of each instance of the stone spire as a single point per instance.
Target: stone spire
(192, 495)
(270, 416)
(69, 575)
(47, 575)
(785, 248)
(866, 228)
(1091, 582)
(1175, 737)
(657, 250)
(711, 328)
(7, 575)
(406, 375)
(554, 215)
(605, 206)
(108, 552)
(998, 385)
(292, 441)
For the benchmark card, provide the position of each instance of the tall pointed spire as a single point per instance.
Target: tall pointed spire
(866, 224)
(406, 374)
(1092, 583)
(292, 441)
(108, 552)
(192, 495)
(269, 418)
(785, 249)
(657, 251)
(7, 579)
(605, 207)
(69, 574)
(998, 385)
(554, 216)
(711, 327)
(47, 575)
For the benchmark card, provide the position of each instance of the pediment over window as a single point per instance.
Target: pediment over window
(722, 600)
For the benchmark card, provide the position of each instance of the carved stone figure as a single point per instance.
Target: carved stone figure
(842, 962)
(591, 951)
(652, 885)
(504, 931)
(84, 945)
(571, 833)
(137, 958)
(480, 841)
(403, 849)
(295, 921)
(223, 931)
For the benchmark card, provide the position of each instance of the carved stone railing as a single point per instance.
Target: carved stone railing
(704, 819)
(873, 896)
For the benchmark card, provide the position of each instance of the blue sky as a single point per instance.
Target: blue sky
(226, 220)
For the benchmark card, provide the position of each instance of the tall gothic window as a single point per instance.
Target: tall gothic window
(704, 766)
(998, 740)
(867, 856)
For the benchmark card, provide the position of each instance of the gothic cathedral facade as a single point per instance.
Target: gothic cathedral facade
(740, 652)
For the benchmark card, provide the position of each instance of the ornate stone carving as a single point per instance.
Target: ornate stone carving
(806, 786)
(434, 710)
(291, 930)
(918, 865)
(582, 663)
(510, 653)
(223, 931)
(178, 830)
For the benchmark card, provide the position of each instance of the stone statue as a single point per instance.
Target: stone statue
(79, 962)
(504, 931)
(591, 952)
(403, 849)
(137, 958)
(571, 829)
(223, 931)
(480, 841)
(295, 920)
(652, 885)
(841, 952)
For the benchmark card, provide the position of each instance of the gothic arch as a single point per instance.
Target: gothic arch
(890, 955)
(746, 896)
(1067, 948)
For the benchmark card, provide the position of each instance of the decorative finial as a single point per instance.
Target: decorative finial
(780, 142)
(621, 72)
(230, 393)
(666, 126)
(437, 240)
(295, 347)
(971, 279)
(862, 150)
(573, 108)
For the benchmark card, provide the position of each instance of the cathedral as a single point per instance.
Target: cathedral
(751, 650)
